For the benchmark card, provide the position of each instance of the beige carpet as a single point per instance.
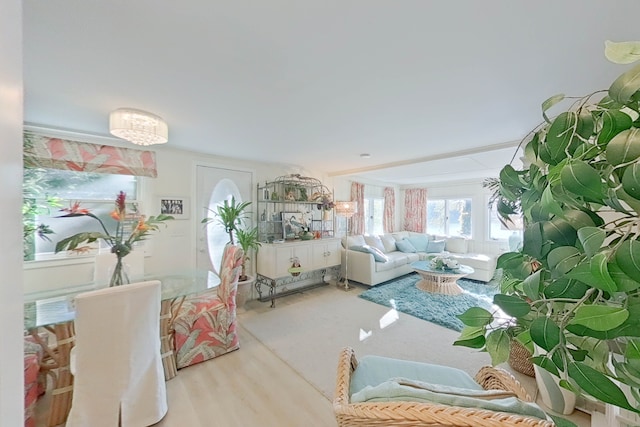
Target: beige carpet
(308, 330)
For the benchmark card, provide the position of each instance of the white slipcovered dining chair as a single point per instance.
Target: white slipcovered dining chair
(117, 366)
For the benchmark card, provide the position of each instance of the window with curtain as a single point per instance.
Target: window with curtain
(59, 173)
(373, 212)
(450, 217)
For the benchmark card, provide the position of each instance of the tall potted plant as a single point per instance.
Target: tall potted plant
(231, 215)
(248, 241)
(573, 288)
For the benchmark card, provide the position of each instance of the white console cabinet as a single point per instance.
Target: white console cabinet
(290, 262)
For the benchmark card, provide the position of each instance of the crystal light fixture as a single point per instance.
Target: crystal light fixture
(138, 127)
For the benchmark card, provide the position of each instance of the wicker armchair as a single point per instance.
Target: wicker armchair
(427, 414)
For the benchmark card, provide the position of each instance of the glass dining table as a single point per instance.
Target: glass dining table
(54, 312)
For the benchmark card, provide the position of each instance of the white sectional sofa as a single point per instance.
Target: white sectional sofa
(392, 256)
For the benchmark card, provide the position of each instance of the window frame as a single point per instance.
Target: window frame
(447, 225)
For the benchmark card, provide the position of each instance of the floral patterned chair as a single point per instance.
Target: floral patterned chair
(205, 325)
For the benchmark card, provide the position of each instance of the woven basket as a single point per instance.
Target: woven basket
(519, 359)
(421, 414)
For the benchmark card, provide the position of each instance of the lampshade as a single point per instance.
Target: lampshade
(346, 209)
(138, 127)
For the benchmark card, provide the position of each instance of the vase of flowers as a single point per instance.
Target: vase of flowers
(444, 262)
(130, 228)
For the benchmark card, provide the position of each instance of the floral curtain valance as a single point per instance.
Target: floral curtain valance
(55, 153)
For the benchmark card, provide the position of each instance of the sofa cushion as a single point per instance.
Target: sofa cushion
(435, 246)
(377, 253)
(419, 241)
(400, 235)
(373, 370)
(405, 246)
(400, 258)
(476, 261)
(374, 242)
(456, 245)
(356, 240)
(388, 242)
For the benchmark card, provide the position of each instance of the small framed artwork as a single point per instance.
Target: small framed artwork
(177, 207)
(292, 223)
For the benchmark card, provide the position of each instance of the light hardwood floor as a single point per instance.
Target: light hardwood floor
(248, 387)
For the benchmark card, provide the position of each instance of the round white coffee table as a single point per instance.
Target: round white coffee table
(439, 281)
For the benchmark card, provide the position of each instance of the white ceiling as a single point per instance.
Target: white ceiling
(317, 83)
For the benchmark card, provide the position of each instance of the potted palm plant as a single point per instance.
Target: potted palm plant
(231, 215)
(573, 289)
(248, 241)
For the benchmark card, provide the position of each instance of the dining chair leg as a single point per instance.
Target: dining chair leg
(167, 346)
(58, 360)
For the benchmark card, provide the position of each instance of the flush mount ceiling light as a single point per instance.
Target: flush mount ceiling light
(138, 127)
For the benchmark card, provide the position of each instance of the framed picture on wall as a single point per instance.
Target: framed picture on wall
(177, 207)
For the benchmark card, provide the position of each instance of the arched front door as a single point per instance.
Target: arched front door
(213, 186)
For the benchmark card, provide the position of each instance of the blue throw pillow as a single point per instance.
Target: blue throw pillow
(435, 246)
(419, 241)
(405, 246)
(377, 253)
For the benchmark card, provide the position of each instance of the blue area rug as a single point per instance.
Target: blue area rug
(436, 308)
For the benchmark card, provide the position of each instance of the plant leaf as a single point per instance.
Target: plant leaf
(628, 257)
(563, 259)
(550, 203)
(600, 317)
(476, 342)
(599, 269)
(592, 239)
(613, 122)
(531, 285)
(545, 363)
(560, 135)
(625, 86)
(498, 344)
(564, 288)
(545, 333)
(476, 316)
(631, 180)
(624, 147)
(559, 232)
(598, 385)
(582, 180)
(511, 305)
(624, 283)
(550, 102)
(622, 52)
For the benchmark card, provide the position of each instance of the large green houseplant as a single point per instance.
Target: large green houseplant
(232, 216)
(573, 289)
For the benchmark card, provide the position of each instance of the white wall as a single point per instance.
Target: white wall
(173, 247)
(11, 105)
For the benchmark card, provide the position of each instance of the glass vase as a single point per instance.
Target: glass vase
(119, 275)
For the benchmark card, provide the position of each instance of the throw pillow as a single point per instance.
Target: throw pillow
(357, 240)
(389, 243)
(419, 241)
(374, 242)
(378, 256)
(456, 245)
(435, 246)
(405, 246)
